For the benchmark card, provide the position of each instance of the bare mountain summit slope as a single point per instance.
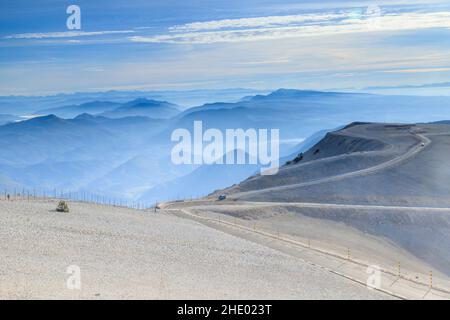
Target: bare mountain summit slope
(389, 182)
(151, 255)
(379, 164)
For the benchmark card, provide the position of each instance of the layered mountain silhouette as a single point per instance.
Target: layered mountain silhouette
(123, 148)
(144, 107)
(94, 108)
(139, 107)
(26, 105)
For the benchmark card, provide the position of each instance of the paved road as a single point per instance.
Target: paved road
(177, 205)
(342, 206)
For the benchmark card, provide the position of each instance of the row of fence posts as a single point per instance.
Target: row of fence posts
(253, 226)
(77, 196)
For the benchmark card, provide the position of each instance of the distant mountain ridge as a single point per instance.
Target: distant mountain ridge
(138, 107)
(144, 107)
(93, 107)
(25, 105)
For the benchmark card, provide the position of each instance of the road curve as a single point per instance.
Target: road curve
(390, 163)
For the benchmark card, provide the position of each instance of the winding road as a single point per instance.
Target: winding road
(424, 142)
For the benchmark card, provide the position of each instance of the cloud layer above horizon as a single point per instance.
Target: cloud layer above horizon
(171, 44)
(308, 25)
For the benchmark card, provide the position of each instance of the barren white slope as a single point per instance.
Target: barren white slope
(125, 253)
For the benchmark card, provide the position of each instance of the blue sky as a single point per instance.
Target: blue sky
(154, 45)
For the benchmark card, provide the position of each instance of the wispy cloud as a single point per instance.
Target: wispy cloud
(262, 62)
(65, 34)
(420, 86)
(279, 27)
(420, 70)
(270, 21)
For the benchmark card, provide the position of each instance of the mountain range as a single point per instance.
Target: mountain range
(122, 149)
(139, 107)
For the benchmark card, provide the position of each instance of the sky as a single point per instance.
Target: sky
(384, 46)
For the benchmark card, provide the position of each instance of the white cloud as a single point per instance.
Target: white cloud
(270, 21)
(64, 34)
(268, 28)
(417, 70)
